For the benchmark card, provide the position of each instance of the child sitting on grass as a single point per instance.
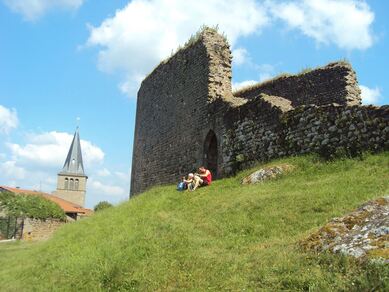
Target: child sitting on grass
(190, 182)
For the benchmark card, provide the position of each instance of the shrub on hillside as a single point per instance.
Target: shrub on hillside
(102, 205)
(30, 206)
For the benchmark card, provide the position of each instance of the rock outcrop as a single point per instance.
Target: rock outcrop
(363, 233)
(266, 173)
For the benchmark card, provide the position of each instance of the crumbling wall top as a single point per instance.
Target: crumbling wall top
(219, 58)
(333, 83)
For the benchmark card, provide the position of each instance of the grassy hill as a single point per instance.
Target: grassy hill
(224, 237)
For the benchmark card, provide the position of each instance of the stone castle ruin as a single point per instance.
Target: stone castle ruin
(187, 116)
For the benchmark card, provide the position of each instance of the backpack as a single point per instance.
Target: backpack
(181, 186)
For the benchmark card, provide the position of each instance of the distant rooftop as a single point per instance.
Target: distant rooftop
(66, 206)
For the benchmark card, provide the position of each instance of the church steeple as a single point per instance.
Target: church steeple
(71, 184)
(73, 163)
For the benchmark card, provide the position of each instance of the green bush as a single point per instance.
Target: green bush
(30, 206)
(102, 205)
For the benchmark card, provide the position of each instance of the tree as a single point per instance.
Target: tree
(102, 205)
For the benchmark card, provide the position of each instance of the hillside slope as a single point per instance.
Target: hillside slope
(226, 236)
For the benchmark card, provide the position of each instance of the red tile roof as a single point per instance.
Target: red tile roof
(67, 206)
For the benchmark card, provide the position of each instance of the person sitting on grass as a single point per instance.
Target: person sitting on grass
(203, 178)
(205, 175)
(189, 182)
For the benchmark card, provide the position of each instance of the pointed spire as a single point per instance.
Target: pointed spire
(73, 163)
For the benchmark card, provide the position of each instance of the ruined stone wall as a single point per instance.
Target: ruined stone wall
(251, 132)
(334, 83)
(35, 229)
(327, 130)
(333, 129)
(188, 98)
(175, 111)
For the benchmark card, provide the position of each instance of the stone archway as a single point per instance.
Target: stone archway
(211, 153)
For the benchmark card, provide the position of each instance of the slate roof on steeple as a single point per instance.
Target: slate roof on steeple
(73, 163)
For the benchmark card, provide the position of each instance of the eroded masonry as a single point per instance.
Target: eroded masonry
(187, 116)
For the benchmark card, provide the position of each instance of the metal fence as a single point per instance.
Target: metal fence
(11, 227)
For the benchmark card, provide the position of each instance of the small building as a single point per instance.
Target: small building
(72, 210)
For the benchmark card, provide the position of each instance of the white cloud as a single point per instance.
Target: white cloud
(370, 95)
(103, 172)
(50, 149)
(123, 176)
(240, 56)
(345, 23)
(110, 190)
(34, 9)
(8, 120)
(131, 84)
(10, 169)
(240, 85)
(265, 76)
(112, 186)
(35, 163)
(138, 36)
(144, 32)
(265, 72)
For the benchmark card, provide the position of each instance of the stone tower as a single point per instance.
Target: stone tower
(71, 184)
(175, 112)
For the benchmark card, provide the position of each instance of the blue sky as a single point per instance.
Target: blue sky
(66, 59)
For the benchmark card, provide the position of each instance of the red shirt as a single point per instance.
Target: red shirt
(208, 179)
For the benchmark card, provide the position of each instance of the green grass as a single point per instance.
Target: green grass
(224, 237)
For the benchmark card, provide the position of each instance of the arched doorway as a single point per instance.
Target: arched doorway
(211, 153)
